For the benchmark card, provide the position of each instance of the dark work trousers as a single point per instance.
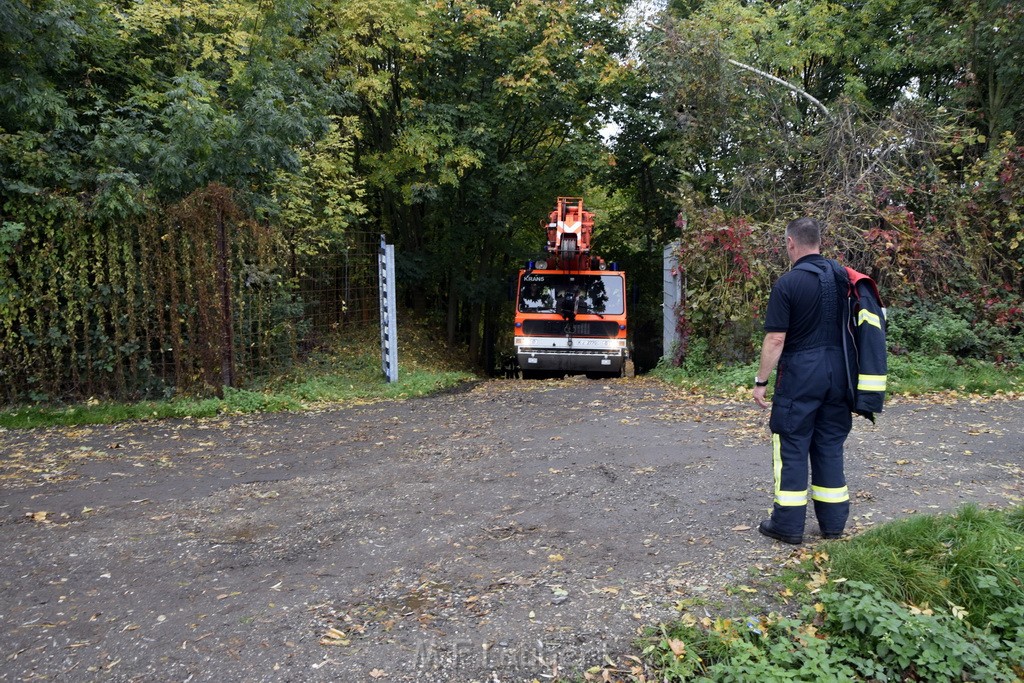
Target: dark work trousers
(810, 420)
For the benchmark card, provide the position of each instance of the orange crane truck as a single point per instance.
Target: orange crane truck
(570, 304)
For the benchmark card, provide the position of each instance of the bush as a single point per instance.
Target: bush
(698, 357)
(928, 598)
(861, 635)
(981, 324)
(727, 264)
(948, 335)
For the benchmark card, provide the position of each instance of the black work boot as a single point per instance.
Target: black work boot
(768, 529)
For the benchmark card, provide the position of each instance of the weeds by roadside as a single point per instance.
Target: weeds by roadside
(930, 598)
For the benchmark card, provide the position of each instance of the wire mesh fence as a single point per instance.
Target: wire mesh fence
(326, 294)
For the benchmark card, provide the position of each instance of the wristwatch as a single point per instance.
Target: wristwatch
(759, 383)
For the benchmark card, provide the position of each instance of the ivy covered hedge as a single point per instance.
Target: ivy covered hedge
(184, 298)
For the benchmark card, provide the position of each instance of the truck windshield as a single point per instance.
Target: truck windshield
(541, 292)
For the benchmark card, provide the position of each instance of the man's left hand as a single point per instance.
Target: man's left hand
(759, 399)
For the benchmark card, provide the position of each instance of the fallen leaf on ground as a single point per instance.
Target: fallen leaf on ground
(335, 637)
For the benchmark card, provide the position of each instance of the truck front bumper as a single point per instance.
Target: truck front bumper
(565, 354)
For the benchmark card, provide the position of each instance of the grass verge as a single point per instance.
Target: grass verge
(348, 372)
(911, 374)
(929, 598)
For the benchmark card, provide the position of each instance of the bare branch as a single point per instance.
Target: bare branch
(821, 107)
(785, 84)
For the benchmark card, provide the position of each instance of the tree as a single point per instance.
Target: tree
(491, 111)
(873, 115)
(963, 56)
(125, 129)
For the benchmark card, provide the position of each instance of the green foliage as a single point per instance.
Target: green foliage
(911, 374)
(950, 289)
(864, 636)
(126, 139)
(929, 598)
(475, 115)
(726, 267)
(439, 124)
(316, 206)
(10, 233)
(703, 372)
(883, 639)
(768, 649)
(921, 193)
(933, 332)
(451, 126)
(697, 357)
(134, 307)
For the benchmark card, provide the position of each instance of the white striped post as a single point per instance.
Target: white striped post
(388, 314)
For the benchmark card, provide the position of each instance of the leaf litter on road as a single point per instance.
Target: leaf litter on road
(643, 515)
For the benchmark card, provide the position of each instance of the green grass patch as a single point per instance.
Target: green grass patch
(720, 378)
(932, 598)
(911, 374)
(346, 372)
(914, 374)
(973, 559)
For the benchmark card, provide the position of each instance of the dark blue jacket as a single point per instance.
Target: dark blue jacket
(867, 322)
(863, 337)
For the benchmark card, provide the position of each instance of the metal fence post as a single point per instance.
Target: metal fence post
(388, 314)
(227, 341)
(673, 290)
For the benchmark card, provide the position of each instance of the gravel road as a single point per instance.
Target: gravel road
(510, 531)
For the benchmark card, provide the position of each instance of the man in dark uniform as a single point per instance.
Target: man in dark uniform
(810, 416)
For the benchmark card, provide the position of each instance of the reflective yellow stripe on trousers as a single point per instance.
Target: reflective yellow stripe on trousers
(784, 498)
(825, 495)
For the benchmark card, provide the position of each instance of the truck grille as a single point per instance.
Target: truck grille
(561, 328)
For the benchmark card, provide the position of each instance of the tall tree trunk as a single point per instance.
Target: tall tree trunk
(474, 315)
(490, 315)
(453, 309)
(476, 308)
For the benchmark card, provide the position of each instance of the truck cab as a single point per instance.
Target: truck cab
(570, 322)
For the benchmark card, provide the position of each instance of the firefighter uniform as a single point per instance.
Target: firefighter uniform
(810, 415)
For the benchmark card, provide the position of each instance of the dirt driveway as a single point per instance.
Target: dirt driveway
(509, 532)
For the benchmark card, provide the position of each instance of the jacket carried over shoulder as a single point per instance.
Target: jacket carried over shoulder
(864, 330)
(867, 330)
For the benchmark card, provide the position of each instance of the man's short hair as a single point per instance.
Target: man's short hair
(805, 231)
